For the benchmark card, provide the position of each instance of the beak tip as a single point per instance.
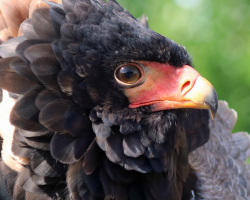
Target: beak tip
(213, 103)
(212, 114)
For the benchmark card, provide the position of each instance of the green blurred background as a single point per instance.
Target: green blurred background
(216, 34)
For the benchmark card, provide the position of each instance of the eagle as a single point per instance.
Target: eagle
(97, 106)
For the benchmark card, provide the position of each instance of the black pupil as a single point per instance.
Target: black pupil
(129, 74)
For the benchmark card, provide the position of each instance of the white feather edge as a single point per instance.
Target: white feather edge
(6, 132)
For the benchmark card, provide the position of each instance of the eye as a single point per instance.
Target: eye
(128, 74)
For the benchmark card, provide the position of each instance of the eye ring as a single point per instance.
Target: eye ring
(128, 74)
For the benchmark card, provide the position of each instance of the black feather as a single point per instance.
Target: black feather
(65, 81)
(41, 22)
(113, 190)
(57, 17)
(36, 51)
(41, 180)
(118, 173)
(75, 122)
(43, 164)
(92, 158)
(156, 165)
(46, 70)
(44, 97)
(11, 81)
(72, 180)
(52, 115)
(24, 115)
(128, 127)
(68, 149)
(23, 69)
(42, 142)
(21, 48)
(25, 107)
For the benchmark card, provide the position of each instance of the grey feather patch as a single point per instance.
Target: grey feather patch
(28, 30)
(8, 48)
(220, 163)
(101, 130)
(115, 150)
(68, 5)
(132, 146)
(102, 143)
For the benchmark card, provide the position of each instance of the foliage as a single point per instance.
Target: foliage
(216, 34)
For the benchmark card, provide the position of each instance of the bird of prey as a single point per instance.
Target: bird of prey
(97, 106)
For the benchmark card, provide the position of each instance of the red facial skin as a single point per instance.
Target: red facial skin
(162, 82)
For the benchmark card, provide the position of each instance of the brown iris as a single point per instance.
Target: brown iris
(128, 74)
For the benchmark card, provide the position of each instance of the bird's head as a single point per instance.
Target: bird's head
(124, 63)
(94, 79)
(136, 81)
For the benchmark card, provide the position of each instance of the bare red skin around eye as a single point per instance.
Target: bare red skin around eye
(162, 82)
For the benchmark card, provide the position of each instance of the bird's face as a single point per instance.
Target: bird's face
(165, 87)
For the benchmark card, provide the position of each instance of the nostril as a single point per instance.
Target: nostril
(185, 86)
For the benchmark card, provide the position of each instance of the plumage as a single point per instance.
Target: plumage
(42, 142)
(21, 149)
(28, 30)
(90, 162)
(50, 71)
(34, 52)
(22, 47)
(68, 149)
(101, 130)
(76, 122)
(33, 134)
(42, 24)
(80, 131)
(132, 146)
(65, 81)
(57, 17)
(54, 123)
(14, 83)
(23, 69)
(44, 97)
(8, 48)
(43, 164)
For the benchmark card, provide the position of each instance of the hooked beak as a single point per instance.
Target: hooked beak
(201, 96)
